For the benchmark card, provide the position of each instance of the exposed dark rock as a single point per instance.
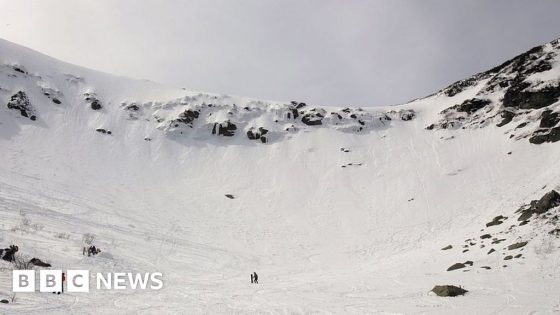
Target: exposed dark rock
(468, 262)
(496, 221)
(226, 129)
(312, 119)
(8, 254)
(486, 267)
(408, 115)
(523, 222)
(516, 96)
(491, 251)
(230, 196)
(20, 101)
(555, 232)
(508, 257)
(447, 247)
(448, 290)
(188, 116)
(470, 106)
(456, 266)
(132, 107)
(256, 134)
(4, 301)
(518, 256)
(496, 241)
(459, 86)
(521, 125)
(516, 245)
(549, 119)
(507, 117)
(104, 131)
(93, 101)
(547, 202)
(39, 262)
(485, 236)
(545, 135)
(19, 69)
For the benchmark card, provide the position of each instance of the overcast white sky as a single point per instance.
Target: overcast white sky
(346, 52)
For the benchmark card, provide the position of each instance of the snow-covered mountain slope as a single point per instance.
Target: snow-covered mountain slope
(339, 210)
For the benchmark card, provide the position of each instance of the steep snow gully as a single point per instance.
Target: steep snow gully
(339, 210)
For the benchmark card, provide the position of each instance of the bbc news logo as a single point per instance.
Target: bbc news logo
(79, 281)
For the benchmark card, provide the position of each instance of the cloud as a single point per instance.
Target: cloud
(357, 53)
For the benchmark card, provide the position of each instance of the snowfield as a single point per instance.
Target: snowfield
(348, 216)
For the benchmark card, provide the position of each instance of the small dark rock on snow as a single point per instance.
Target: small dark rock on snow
(517, 245)
(39, 262)
(496, 221)
(230, 196)
(456, 266)
(448, 290)
(104, 131)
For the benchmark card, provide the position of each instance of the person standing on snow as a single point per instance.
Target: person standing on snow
(256, 277)
(63, 279)
(62, 286)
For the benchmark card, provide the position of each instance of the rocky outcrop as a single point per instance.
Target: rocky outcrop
(549, 119)
(226, 129)
(312, 118)
(507, 117)
(8, 254)
(520, 96)
(188, 117)
(516, 92)
(20, 102)
(52, 94)
(469, 106)
(547, 202)
(93, 101)
(257, 134)
(545, 135)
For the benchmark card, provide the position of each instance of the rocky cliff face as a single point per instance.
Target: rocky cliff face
(521, 95)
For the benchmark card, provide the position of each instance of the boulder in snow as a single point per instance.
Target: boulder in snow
(20, 101)
(448, 290)
(547, 202)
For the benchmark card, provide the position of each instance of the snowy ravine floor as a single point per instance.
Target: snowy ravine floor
(365, 238)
